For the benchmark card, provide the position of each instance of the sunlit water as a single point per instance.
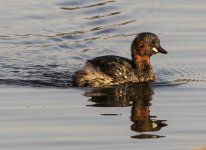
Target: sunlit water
(42, 43)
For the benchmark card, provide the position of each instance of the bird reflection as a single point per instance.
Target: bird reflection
(139, 97)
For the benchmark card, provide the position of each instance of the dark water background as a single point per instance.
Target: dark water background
(43, 42)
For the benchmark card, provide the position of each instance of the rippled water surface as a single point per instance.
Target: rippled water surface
(42, 43)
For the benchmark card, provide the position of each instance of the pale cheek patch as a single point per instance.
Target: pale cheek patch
(154, 50)
(154, 125)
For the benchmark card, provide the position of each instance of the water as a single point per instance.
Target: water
(42, 43)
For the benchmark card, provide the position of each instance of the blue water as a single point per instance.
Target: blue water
(42, 43)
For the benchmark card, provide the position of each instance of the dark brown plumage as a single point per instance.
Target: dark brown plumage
(113, 70)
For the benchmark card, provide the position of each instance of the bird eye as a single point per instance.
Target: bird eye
(157, 43)
(154, 43)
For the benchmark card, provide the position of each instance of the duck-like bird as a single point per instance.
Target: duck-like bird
(113, 70)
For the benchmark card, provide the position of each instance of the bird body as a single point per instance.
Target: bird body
(114, 70)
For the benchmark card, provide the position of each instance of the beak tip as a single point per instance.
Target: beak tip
(163, 51)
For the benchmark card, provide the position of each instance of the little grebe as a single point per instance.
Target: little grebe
(113, 70)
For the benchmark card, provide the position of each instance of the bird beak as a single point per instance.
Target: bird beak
(159, 50)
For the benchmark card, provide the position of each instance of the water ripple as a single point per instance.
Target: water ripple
(95, 29)
(88, 6)
(105, 15)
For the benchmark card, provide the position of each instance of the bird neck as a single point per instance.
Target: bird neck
(137, 59)
(143, 68)
(144, 71)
